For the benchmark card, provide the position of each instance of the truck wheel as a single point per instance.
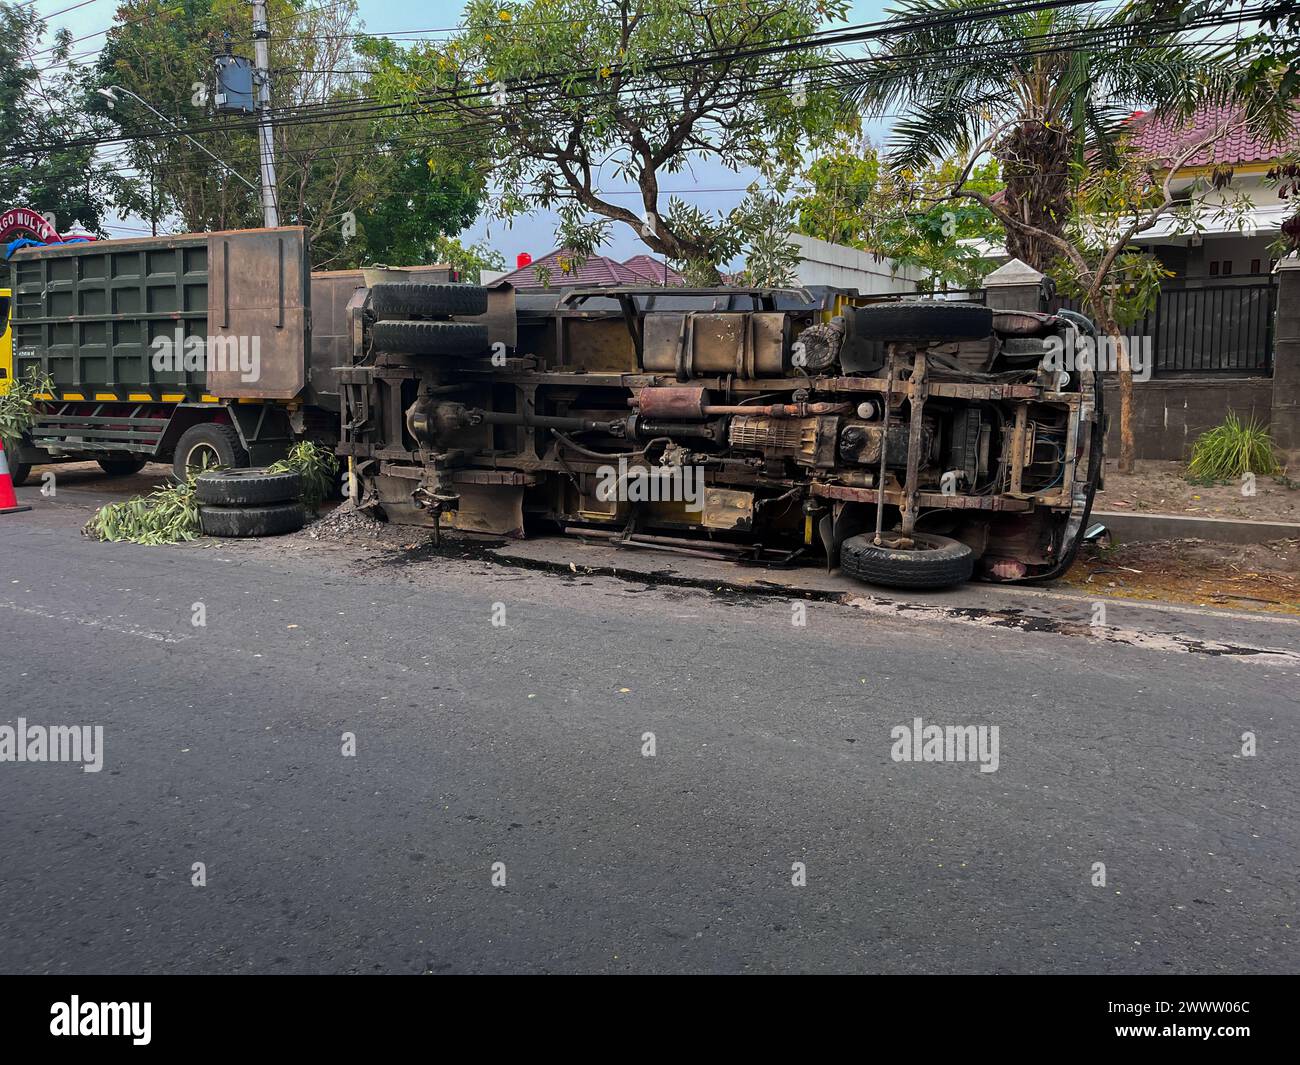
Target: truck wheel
(426, 300)
(922, 321)
(250, 486)
(19, 471)
(431, 338)
(207, 446)
(121, 467)
(270, 519)
(935, 562)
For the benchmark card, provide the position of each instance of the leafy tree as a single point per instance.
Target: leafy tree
(855, 200)
(1031, 87)
(42, 103)
(470, 260)
(357, 179)
(1114, 201)
(567, 94)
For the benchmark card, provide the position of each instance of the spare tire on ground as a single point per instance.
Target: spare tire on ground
(915, 320)
(934, 561)
(247, 486)
(430, 301)
(272, 519)
(431, 338)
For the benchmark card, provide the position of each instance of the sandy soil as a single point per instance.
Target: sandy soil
(1263, 577)
(1161, 488)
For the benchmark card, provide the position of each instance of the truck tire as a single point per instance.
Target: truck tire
(121, 467)
(20, 471)
(922, 321)
(247, 487)
(936, 562)
(428, 301)
(207, 445)
(269, 519)
(431, 338)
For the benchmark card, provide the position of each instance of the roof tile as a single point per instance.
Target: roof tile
(1164, 139)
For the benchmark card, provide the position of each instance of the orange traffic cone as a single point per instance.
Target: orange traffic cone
(8, 501)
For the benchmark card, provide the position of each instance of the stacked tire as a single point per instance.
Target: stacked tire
(249, 502)
(416, 319)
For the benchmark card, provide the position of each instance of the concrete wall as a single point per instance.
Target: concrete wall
(834, 264)
(1286, 363)
(1169, 413)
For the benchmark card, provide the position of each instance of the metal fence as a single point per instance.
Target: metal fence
(1223, 328)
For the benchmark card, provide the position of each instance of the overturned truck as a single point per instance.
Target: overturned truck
(913, 443)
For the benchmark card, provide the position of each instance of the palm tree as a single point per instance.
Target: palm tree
(1032, 87)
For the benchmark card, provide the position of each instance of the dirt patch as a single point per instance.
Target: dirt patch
(1260, 577)
(1162, 488)
(88, 476)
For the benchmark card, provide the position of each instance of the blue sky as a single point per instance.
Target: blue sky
(534, 233)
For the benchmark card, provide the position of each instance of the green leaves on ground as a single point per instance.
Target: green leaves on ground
(171, 515)
(165, 516)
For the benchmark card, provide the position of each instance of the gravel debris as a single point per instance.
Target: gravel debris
(345, 522)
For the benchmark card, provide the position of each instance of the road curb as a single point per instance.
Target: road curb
(1138, 528)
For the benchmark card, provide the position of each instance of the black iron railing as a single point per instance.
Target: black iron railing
(1219, 328)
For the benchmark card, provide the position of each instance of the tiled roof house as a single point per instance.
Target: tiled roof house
(559, 270)
(1226, 251)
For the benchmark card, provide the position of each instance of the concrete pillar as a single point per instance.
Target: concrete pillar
(1285, 421)
(1016, 286)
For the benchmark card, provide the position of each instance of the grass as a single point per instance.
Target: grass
(1230, 450)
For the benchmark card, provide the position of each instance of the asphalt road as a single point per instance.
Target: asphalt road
(522, 744)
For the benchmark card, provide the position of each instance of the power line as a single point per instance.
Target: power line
(363, 106)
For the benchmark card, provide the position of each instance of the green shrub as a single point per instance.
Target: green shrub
(318, 467)
(18, 405)
(1232, 449)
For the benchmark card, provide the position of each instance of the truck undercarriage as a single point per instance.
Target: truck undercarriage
(913, 443)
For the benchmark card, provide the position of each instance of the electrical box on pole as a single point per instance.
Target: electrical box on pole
(235, 90)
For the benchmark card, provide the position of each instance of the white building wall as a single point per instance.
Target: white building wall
(824, 263)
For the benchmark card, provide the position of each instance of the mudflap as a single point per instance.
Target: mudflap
(494, 509)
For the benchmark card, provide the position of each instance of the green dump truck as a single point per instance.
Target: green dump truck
(196, 349)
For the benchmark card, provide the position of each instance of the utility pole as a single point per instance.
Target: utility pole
(265, 138)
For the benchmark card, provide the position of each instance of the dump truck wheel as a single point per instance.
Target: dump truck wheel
(431, 338)
(426, 300)
(922, 321)
(250, 486)
(19, 471)
(121, 467)
(271, 519)
(207, 446)
(935, 562)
